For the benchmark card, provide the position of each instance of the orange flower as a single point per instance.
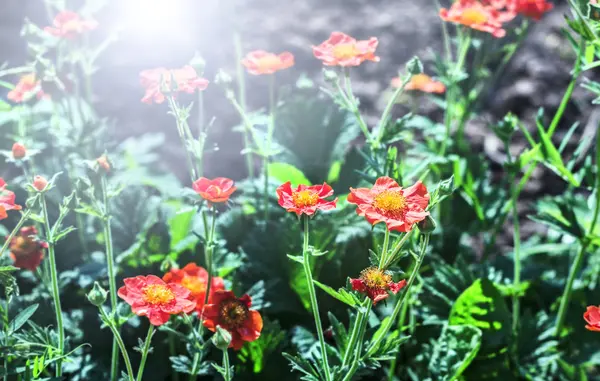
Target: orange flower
(150, 296)
(592, 317)
(376, 283)
(26, 250)
(305, 199)
(7, 200)
(40, 183)
(532, 8)
(216, 190)
(343, 50)
(18, 151)
(261, 62)
(103, 163)
(155, 81)
(235, 316)
(421, 82)
(475, 15)
(68, 24)
(195, 279)
(27, 87)
(387, 202)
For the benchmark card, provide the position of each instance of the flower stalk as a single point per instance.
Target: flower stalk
(22, 220)
(145, 351)
(111, 325)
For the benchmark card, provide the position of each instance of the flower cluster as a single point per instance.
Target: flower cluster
(7, 200)
(68, 24)
(26, 250)
(27, 87)
(160, 81)
(375, 283)
(195, 279)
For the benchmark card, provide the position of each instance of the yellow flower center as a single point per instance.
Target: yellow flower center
(157, 294)
(375, 278)
(473, 16)
(420, 80)
(345, 51)
(305, 198)
(72, 26)
(194, 284)
(232, 313)
(268, 62)
(390, 203)
(28, 79)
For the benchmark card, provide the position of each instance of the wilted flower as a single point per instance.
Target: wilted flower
(475, 15)
(375, 283)
(195, 279)
(261, 62)
(40, 183)
(18, 151)
(421, 82)
(305, 199)
(235, 316)
(7, 200)
(343, 50)
(26, 249)
(155, 81)
(388, 202)
(68, 24)
(216, 190)
(150, 296)
(592, 317)
(27, 87)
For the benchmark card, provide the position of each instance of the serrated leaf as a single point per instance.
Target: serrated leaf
(453, 351)
(22, 318)
(342, 294)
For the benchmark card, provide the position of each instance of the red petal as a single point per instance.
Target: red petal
(252, 327)
(395, 287)
(358, 285)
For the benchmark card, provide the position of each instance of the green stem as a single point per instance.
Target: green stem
(200, 130)
(5, 322)
(388, 110)
(517, 265)
(401, 319)
(242, 94)
(181, 132)
(576, 266)
(359, 344)
(114, 364)
(227, 376)
(24, 218)
(54, 279)
(388, 323)
(348, 97)
(115, 331)
(145, 353)
(313, 300)
(173, 352)
(267, 153)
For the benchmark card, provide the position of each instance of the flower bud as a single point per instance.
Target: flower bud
(505, 129)
(446, 187)
(414, 66)
(18, 151)
(198, 63)
(40, 183)
(103, 163)
(97, 295)
(330, 75)
(221, 339)
(427, 226)
(222, 78)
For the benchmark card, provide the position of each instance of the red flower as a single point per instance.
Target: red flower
(421, 82)
(235, 316)
(216, 190)
(40, 183)
(27, 87)
(592, 317)
(261, 62)
(150, 296)
(531, 8)
(7, 200)
(305, 199)
(155, 81)
(103, 163)
(475, 15)
(195, 279)
(343, 50)
(68, 24)
(376, 283)
(387, 202)
(26, 250)
(18, 151)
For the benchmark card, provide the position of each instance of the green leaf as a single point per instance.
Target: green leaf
(180, 225)
(334, 171)
(342, 294)
(284, 172)
(454, 350)
(552, 158)
(22, 318)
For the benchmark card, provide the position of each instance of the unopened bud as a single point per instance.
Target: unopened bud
(414, 66)
(18, 151)
(40, 183)
(330, 75)
(198, 63)
(221, 339)
(97, 295)
(222, 78)
(428, 225)
(505, 129)
(446, 187)
(103, 163)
